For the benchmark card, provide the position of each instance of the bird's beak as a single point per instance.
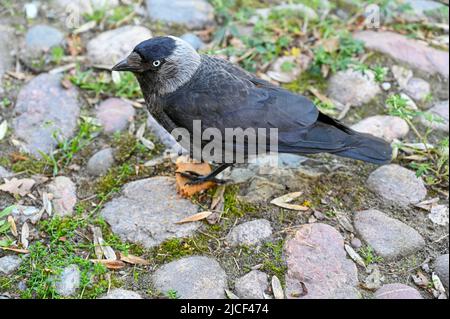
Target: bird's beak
(123, 66)
(132, 63)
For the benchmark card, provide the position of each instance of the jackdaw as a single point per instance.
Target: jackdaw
(181, 86)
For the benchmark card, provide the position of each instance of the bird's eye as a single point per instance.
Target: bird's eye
(156, 63)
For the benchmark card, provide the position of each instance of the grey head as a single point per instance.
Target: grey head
(161, 64)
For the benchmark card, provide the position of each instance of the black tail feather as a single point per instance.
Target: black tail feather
(361, 146)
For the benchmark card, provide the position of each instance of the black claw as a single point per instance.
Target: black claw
(196, 180)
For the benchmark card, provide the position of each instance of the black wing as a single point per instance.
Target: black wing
(225, 96)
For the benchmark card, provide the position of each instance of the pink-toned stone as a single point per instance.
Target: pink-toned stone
(414, 53)
(317, 261)
(64, 195)
(397, 291)
(44, 108)
(383, 126)
(115, 114)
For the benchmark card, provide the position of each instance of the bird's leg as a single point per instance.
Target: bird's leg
(195, 178)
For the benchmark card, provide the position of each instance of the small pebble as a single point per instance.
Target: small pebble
(386, 86)
(356, 243)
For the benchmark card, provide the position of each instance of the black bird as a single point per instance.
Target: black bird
(180, 86)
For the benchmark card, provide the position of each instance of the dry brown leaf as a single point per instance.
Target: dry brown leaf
(277, 289)
(331, 45)
(355, 256)
(218, 197)
(134, 260)
(421, 280)
(194, 218)
(16, 186)
(16, 250)
(12, 226)
(186, 190)
(25, 233)
(284, 201)
(100, 246)
(110, 264)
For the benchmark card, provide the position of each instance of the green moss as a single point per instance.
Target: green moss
(233, 207)
(306, 80)
(32, 166)
(64, 247)
(113, 180)
(6, 283)
(5, 161)
(177, 248)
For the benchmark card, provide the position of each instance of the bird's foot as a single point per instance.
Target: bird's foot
(196, 179)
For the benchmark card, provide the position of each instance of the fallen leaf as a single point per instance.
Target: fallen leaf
(355, 256)
(217, 197)
(3, 129)
(230, 295)
(100, 247)
(277, 289)
(428, 204)
(16, 250)
(421, 280)
(344, 222)
(437, 283)
(12, 226)
(331, 45)
(134, 260)
(25, 233)
(194, 218)
(141, 131)
(16, 186)
(47, 204)
(110, 264)
(284, 201)
(183, 188)
(147, 143)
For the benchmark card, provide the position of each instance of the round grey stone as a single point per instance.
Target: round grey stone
(100, 162)
(85, 7)
(44, 108)
(6, 58)
(386, 127)
(250, 233)
(353, 87)
(390, 238)
(111, 46)
(69, 281)
(193, 40)
(441, 266)
(398, 184)
(9, 264)
(194, 14)
(397, 291)
(4, 173)
(119, 293)
(356, 243)
(440, 117)
(147, 212)
(418, 89)
(386, 86)
(252, 285)
(43, 38)
(194, 277)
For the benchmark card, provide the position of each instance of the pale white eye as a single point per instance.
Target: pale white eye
(156, 63)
